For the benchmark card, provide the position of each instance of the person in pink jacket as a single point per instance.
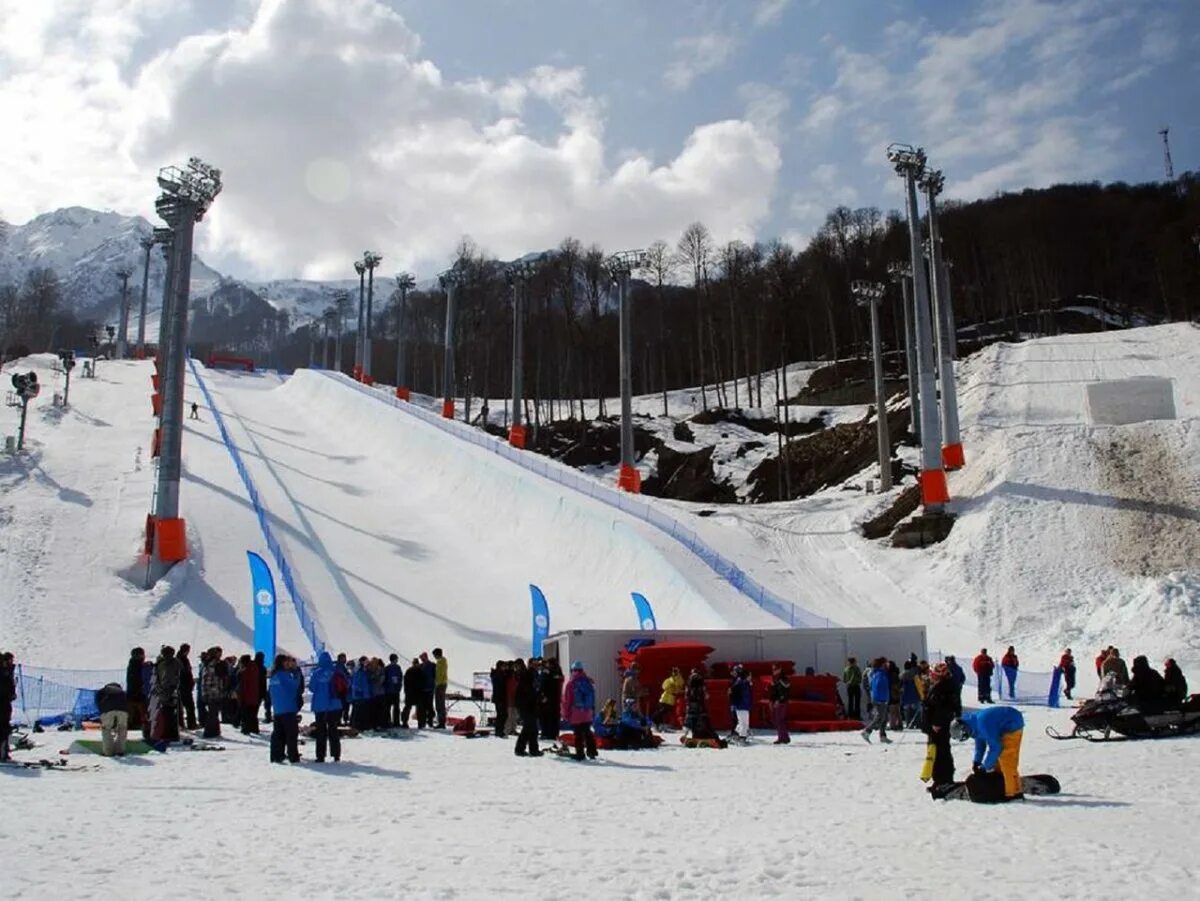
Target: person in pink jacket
(579, 709)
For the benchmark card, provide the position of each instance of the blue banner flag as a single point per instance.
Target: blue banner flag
(263, 588)
(645, 614)
(541, 619)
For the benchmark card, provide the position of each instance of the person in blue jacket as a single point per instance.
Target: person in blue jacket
(956, 671)
(360, 696)
(634, 730)
(327, 708)
(997, 732)
(284, 686)
(881, 696)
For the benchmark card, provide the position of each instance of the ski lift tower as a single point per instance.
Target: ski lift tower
(519, 274)
(451, 281)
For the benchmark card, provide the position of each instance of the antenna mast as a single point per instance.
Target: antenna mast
(1170, 167)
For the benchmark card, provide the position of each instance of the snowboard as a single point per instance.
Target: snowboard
(1031, 786)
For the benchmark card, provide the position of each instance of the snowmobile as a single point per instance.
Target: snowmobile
(1112, 712)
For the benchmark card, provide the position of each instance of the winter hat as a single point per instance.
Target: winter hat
(939, 672)
(577, 666)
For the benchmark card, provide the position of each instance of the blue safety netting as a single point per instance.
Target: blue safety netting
(307, 624)
(632, 504)
(49, 696)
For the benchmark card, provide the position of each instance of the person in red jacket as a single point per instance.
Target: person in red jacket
(248, 694)
(1066, 665)
(1010, 665)
(1100, 658)
(984, 668)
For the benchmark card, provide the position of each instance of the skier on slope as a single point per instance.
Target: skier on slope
(997, 732)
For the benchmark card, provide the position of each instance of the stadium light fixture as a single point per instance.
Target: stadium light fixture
(404, 283)
(621, 266)
(451, 281)
(869, 294)
(931, 182)
(909, 163)
(370, 261)
(187, 194)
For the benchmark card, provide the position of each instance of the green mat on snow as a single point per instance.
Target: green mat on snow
(96, 746)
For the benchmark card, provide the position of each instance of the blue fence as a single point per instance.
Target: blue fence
(1028, 687)
(56, 695)
(281, 564)
(631, 504)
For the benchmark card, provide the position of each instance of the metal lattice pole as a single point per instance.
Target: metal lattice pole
(909, 163)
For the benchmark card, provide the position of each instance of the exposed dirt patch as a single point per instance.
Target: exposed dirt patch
(764, 426)
(1152, 526)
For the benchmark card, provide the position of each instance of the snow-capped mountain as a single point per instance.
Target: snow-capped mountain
(86, 249)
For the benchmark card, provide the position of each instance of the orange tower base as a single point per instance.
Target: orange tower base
(630, 479)
(933, 487)
(403, 393)
(171, 538)
(516, 436)
(448, 409)
(953, 456)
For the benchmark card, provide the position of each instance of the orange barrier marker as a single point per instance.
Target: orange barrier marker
(953, 456)
(448, 409)
(172, 540)
(630, 479)
(933, 487)
(403, 394)
(516, 436)
(156, 403)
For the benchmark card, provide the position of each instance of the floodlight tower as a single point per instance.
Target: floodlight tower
(931, 182)
(341, 305)
(358, 335)
(909, 163)
(187, 194)
(621, 266)
(869, 294)
(451, 280)
(901, 274)
(147, 242)
(327, 319)
(370, 260)
(519, 274)
(123, 323)
(404, 283)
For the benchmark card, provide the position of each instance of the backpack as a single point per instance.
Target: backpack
(585, 695)
(341, 685)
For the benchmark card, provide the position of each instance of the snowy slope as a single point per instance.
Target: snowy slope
(404, 538)
(72, 513)
(1068, 534)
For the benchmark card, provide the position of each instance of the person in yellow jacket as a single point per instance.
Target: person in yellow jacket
(441, 678)
(672, 689)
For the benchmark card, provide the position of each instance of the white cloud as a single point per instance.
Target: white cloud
(334, 135)
(769, 12)
(823, 112)
(765, 106)
(695, 56)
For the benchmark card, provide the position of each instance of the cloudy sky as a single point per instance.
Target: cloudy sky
(402, 125)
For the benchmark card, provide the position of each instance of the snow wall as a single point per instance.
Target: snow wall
(789, 613)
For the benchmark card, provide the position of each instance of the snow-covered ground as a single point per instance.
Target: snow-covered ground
(436, 816)
(1068, 533)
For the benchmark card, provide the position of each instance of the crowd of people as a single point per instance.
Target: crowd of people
(534, 699)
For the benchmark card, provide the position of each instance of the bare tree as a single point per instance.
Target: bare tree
(695, 249)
